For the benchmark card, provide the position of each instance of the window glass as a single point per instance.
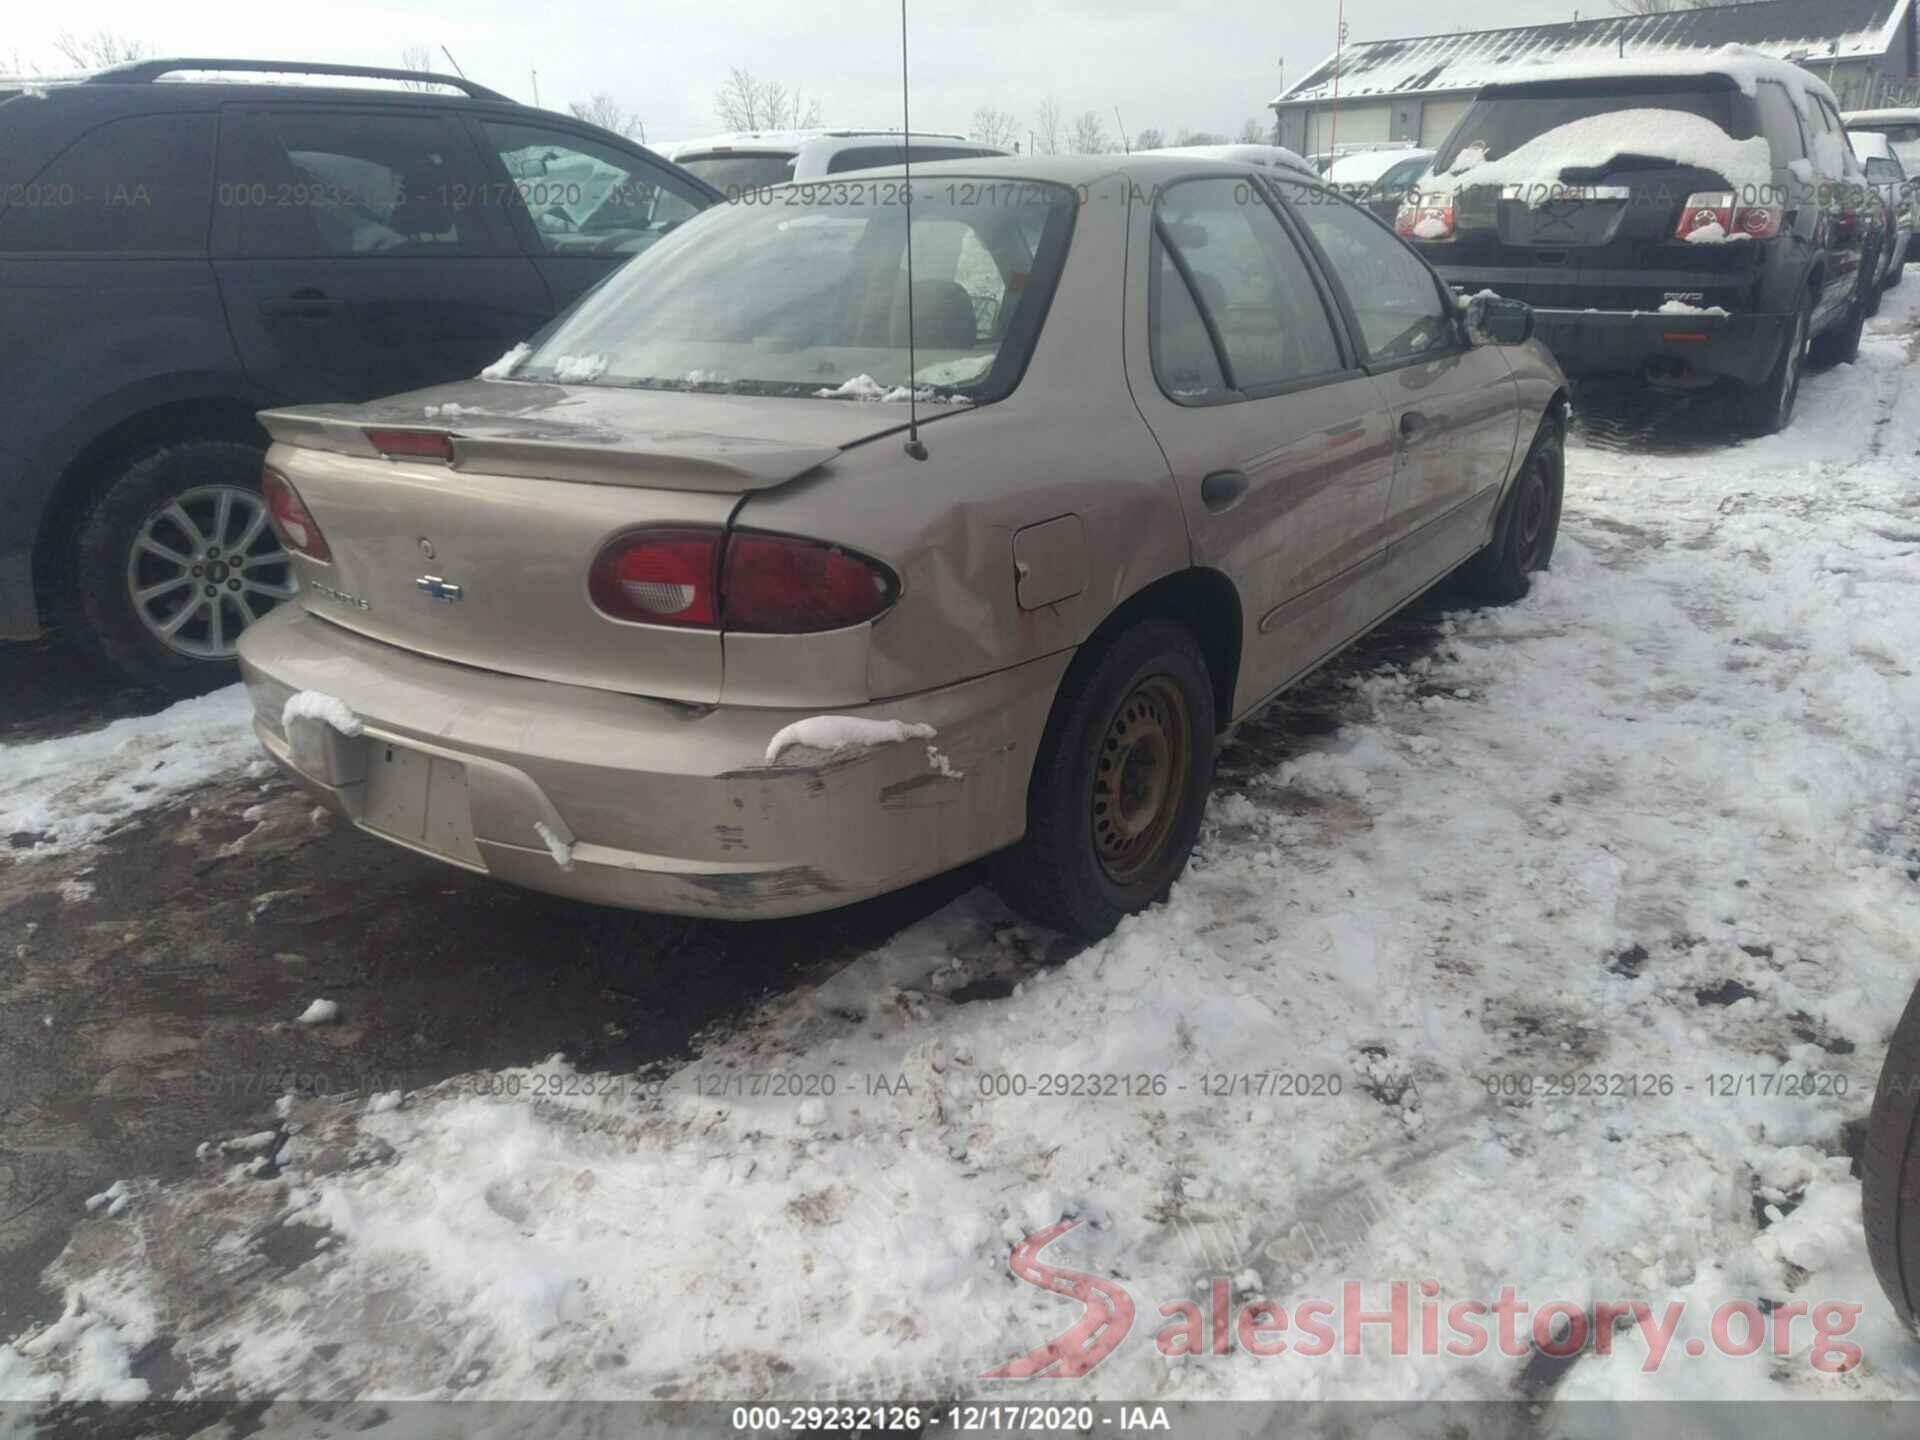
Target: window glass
(586, 198)
(1396, 182)
(341, 182)
(1780, 122)
(1251, 279)
(140, 184)
(1501, 121)
(809, 299)
(1402, 312)
(730, 173)
(874, 157)
(1184, 359)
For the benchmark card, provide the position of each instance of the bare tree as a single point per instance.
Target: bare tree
(606, 112)
(1254, 132)
(1150, 140)
(98, 50)
(1199, 137)
(745, 103)
(1047, 127)
(420, 58)
(1090, 134)
(993, 127)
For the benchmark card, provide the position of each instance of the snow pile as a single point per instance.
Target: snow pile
(316, 705)
(579, 369)
(1534, 170)
(839, 734)
(561, 850)
(503, 368)
(320, 1012)
(865, 387)
(64, 792)
(1681, 307)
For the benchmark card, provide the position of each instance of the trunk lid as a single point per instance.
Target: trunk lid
(484, 561)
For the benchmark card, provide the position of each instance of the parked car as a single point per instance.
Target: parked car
(176, 256)
(754, 159)
(1379, 179)
(1265, 157)
(679, 612)
(1695, 220)
(1901, 126)
(1888, 176)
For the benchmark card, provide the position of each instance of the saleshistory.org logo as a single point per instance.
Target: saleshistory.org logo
(1426, 1326)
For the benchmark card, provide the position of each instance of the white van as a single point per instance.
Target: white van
(750, 159)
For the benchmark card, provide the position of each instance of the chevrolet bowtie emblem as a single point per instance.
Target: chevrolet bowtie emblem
(438, 589)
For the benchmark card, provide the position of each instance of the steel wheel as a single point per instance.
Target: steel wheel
(1531, 507)
(1144, 759)
(205, 566)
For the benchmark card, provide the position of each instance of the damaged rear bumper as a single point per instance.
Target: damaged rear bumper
(642, 803)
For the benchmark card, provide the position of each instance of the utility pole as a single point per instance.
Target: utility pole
(1339, 45)
(536, 89)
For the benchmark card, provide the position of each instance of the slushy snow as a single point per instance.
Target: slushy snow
(314, 705)
(838, 734)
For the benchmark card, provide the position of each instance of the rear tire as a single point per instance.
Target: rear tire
(1890, 1171)
(1767, 408)
(174, 560)
(1528, 525)
(1898, 271)
(1119, 784)
(1841, 345)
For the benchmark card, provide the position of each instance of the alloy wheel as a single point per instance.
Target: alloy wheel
(205, 566)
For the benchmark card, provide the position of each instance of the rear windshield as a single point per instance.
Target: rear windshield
(731, 173)
(1503, 122)
(803, 292)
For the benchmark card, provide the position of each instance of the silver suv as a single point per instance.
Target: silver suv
(750, 159)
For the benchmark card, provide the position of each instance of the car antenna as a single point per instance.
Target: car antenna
(914, 446)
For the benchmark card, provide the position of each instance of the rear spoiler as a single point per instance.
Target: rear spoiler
(673, 460)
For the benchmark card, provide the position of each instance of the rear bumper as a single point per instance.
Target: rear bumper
(652, 805)
(1603, 342)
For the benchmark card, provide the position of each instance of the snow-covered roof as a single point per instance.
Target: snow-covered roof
(1899, 115)
(1267, 156)
(1780, 29)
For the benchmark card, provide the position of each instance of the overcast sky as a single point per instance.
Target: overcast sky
(1206, 66)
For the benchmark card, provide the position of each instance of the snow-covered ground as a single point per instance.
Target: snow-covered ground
(1648, 833)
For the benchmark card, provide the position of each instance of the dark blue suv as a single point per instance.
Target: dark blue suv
(177, 254)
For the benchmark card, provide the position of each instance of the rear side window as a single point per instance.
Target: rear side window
(349, 183)
(1251, 281)
(1780, 122)
(139, 185)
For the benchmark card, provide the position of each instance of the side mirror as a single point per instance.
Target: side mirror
(1492, 320)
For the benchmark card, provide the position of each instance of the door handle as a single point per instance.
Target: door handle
(1412, 425)
(1222, 490)
(304, 304)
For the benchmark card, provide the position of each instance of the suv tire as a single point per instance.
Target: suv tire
(1528, 523)
(1119, 784)
(174, 560)
(1767, 408)
(1841, 344)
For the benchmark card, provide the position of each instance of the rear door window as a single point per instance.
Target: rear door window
(298, 183)
(1249, 278)
(139, 185)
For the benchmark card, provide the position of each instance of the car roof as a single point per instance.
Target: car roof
(1870, 142)
(1264, 155)
(1147, 167)
(1899, 114)
(785, 141)
(1365, 166)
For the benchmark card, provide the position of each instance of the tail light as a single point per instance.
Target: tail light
(412, 444)
(291, 519)
(1424, 222)
(1758, 222)
(741, 580)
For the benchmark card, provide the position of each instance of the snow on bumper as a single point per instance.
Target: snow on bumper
(653, 805)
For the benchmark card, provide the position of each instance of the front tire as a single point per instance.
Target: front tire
(1528, 524)
(1890, 1171)
(174, 560)
(1119, 784)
